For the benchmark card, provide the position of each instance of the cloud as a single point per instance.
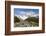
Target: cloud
(32, 14)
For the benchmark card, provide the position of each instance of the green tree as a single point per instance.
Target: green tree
(16, 19)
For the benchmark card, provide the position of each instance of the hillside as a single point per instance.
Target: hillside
(30, 21)
(33, 19)
(16, 19)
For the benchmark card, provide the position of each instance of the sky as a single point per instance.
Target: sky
(21, 11)
(25, 13)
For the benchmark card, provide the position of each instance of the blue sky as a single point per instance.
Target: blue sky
(20, 11)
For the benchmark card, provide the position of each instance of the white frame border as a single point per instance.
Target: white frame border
(25, 28)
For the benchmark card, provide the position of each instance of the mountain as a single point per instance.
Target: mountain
(25, 16)
(33, 19)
